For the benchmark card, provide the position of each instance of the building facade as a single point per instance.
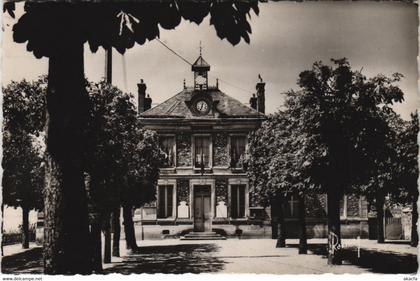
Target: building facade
(203, 186)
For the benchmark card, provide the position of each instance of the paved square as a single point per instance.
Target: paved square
(237, 256)
(257, 256)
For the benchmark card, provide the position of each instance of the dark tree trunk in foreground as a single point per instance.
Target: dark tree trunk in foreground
(334, 233)
(107, 236)
(380, 217)
(25, 227)
(415, 216)
(117, 232)
(281, 227)
(303, 244)
(130, 235)
(66, 231)
(95, 233)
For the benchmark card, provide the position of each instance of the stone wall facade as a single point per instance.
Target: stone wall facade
(183, 190)
(221, 190)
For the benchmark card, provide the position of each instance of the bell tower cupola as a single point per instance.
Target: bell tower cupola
(200, 69)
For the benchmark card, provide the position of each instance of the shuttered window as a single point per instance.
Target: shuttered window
(237, 201)
(165, 200)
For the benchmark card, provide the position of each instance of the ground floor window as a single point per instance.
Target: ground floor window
(237, 201)
(352, 205)
(165, 201)
(292, 207)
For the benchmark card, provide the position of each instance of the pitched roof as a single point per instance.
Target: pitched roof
(200, 63)
(224, 107)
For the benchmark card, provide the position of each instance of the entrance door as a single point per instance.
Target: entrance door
(393, 229)
(202, 208)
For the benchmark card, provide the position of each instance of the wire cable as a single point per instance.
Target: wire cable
(185, 60)
(178, 55)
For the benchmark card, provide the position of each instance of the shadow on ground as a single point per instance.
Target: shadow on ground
(28, 262)
(373, 260)
(177, 259)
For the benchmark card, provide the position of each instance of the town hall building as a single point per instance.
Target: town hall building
(203, 186)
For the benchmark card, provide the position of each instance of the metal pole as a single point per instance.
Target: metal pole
(108, 238)
(108, 65)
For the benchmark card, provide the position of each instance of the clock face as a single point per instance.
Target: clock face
(202, 106)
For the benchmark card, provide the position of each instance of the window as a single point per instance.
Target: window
(343, 206)
(350, 206)
(202, 152)
(292, 207)
(237, 201)
(167, 144)
(165, 201)
(237, 151)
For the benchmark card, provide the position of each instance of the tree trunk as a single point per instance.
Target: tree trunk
(95, 233)
(414, 218)
(25, 227)
(281, 227)
(274, 219)
(66, 231)
(334, 233)
(130, 236)
(117, 232)
(380, 216)
(303, 244)
(107, 240)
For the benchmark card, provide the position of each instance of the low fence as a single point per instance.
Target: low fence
(15, 237)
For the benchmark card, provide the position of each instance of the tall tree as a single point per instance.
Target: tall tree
(385, 178)
(262, 148)
(122, 162)
(277, 165)
(334, 132)
(23, 168)
(144, 157)
(342, 116)
(407, 170)
(112, 120)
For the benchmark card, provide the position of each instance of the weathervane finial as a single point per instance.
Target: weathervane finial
(200, 48)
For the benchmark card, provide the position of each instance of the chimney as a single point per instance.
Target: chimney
(260, 95)
(253, 102)
(147, 103)
(142, 96)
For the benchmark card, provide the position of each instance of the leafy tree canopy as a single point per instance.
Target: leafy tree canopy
(47, 26)
(407, 161)
(122, 159)
(332, 133)
(23, 124)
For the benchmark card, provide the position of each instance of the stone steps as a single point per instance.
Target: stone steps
(202, 236)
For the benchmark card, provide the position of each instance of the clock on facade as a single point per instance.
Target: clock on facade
(202, 107)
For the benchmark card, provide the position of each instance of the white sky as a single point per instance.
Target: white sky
(287, 38)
